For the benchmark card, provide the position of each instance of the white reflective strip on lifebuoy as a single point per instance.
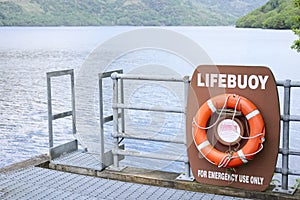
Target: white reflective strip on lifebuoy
(202, 145)
(211, 106)
(252, 114)
(242, 156)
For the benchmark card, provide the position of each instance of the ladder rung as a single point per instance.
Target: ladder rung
(110, 118)
(62, 115)
(59, 73)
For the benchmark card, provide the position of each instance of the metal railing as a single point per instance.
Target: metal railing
(113, 157)
(70, 146)
(106, 157)
(286, 117)
(121, 134)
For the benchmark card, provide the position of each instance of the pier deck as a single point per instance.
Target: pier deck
(41, 183)
(38, 178)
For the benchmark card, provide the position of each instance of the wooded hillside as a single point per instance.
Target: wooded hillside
(123, 12)
(275, 14)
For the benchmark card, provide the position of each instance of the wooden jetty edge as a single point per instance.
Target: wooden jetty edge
(150, 177)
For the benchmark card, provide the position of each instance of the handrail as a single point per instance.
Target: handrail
(106, 119)
(286, 118)
(116, 133)
(130, 107)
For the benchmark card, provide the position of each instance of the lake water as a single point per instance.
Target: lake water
(27, 53)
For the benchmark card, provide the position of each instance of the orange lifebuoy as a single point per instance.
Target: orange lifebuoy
(256, 126)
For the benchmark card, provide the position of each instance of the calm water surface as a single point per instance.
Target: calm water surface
(27, 53)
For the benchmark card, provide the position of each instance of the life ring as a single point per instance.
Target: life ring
(256, 128)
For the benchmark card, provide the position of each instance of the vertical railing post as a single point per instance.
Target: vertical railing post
(50, 123)
(101, 113)
(186, 80)
(285, 137)
(122, 110)
(115, 120)
(73, 103)
(187, 175)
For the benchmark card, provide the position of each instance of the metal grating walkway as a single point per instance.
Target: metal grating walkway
(40, 183)
(79, 159)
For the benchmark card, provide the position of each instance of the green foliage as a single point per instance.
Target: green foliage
(296, 44)
(297, 185)
(275, 14)
(123, 12)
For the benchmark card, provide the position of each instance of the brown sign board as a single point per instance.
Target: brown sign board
(256, 84)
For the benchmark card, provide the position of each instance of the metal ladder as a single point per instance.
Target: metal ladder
(55, 152)
(62, 154)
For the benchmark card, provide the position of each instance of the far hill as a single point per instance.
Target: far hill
(275, 14)
(123, 12)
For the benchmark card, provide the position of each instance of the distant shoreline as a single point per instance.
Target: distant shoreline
(136, 26)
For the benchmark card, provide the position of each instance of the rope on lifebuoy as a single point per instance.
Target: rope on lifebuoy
(223, 159)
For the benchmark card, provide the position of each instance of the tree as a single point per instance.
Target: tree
(296, 29)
